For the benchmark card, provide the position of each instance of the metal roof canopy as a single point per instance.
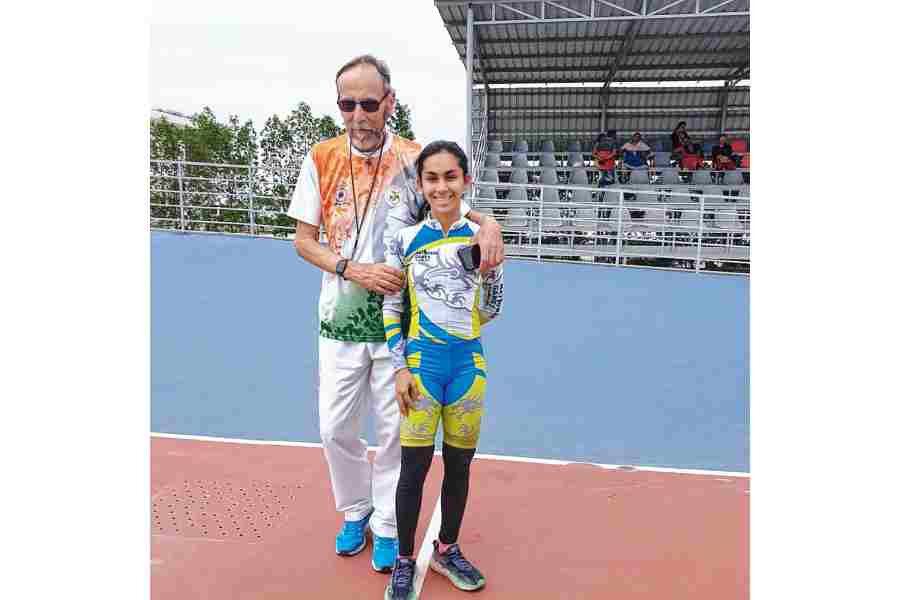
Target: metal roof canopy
(598, 42)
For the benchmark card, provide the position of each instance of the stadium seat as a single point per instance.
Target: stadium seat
(576, 159)
(669, 176)
(486, 193)
(552, 215)
(663, 159)
(733, 178)
(520, 160)
(714, 190)
(548, 146)
(516, 219)
(521, 146)
(578, 177)
(739, 145)
(495, 146)
(639, 177)
(584, 217)
(654, 210)
(490, 176)
(725, 217)
(701, 177)
(491, 160)
(517, 195)
(574, 146)
(547, 159)
(548, 176)
(518, 176)
(551, 194)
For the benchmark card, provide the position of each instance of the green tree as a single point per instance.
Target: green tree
(401, 122)
(329, 129)
(204, 189)
(284, 143)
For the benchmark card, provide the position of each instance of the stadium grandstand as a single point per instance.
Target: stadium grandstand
(546, 79)
(616, 460)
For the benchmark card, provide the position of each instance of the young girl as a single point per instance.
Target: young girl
(439, 365)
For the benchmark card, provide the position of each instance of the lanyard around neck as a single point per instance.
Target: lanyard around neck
(356, 220)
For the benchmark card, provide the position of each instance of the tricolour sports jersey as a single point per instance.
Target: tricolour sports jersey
(446, 303)
(324, 195)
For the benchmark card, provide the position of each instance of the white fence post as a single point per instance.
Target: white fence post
(252, 211)
(619, 227)
(699, 236)
(181, 194)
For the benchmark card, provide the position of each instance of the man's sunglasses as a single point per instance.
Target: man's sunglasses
(369, 106)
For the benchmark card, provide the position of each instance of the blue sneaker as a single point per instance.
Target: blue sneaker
(401, 585)
(352, 537)
(453, 565)
(384, 553)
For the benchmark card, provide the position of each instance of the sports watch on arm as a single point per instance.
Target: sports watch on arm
(341, 267)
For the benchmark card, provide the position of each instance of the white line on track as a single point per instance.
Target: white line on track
(525, 459)
(427, 549)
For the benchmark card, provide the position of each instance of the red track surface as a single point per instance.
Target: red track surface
(249, 521)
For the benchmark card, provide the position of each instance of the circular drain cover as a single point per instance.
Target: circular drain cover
(243, 511)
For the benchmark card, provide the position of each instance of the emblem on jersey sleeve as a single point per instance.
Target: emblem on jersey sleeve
(340, 198)
(393, 196)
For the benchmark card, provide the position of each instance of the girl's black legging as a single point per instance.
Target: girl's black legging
(414, 466)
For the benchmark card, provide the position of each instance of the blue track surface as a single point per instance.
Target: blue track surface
(610, 365)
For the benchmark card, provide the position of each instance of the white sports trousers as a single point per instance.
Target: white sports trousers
(354, 379)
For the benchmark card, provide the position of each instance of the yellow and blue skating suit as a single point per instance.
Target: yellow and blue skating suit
(447, 307)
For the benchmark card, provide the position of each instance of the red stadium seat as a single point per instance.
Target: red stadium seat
(691, 162)
(739, 146)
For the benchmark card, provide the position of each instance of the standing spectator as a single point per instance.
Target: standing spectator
(678, 135)
(635, 153)
(605, 153)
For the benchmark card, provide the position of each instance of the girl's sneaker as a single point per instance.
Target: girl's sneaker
(453, 565)
(401, 585)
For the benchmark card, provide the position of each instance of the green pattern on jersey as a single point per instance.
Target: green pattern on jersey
(360, 323)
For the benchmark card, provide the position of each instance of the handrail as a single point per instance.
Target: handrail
(674, 222)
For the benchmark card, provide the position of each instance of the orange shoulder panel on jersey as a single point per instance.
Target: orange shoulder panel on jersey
(331, 158)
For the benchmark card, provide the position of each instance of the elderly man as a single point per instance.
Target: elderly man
(361, 187)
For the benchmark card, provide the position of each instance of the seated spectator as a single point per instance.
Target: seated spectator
(691, 156)
(723, 157)
(635, 154)
(690, 159)
(605, 153)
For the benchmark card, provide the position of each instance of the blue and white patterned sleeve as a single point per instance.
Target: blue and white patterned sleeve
(491, 294)
(393, 307)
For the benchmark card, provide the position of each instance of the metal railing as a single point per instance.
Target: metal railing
(221, 198)
(665, 226)
(653, 225)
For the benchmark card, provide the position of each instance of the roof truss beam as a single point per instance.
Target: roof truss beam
(593, 79)
(622, 13)
(611, 69)
(741, 52)
(611, 38)
(624, 49)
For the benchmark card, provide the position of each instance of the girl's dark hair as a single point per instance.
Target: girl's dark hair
(436, 148)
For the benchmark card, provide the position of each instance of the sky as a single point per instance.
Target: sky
(256, 59)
